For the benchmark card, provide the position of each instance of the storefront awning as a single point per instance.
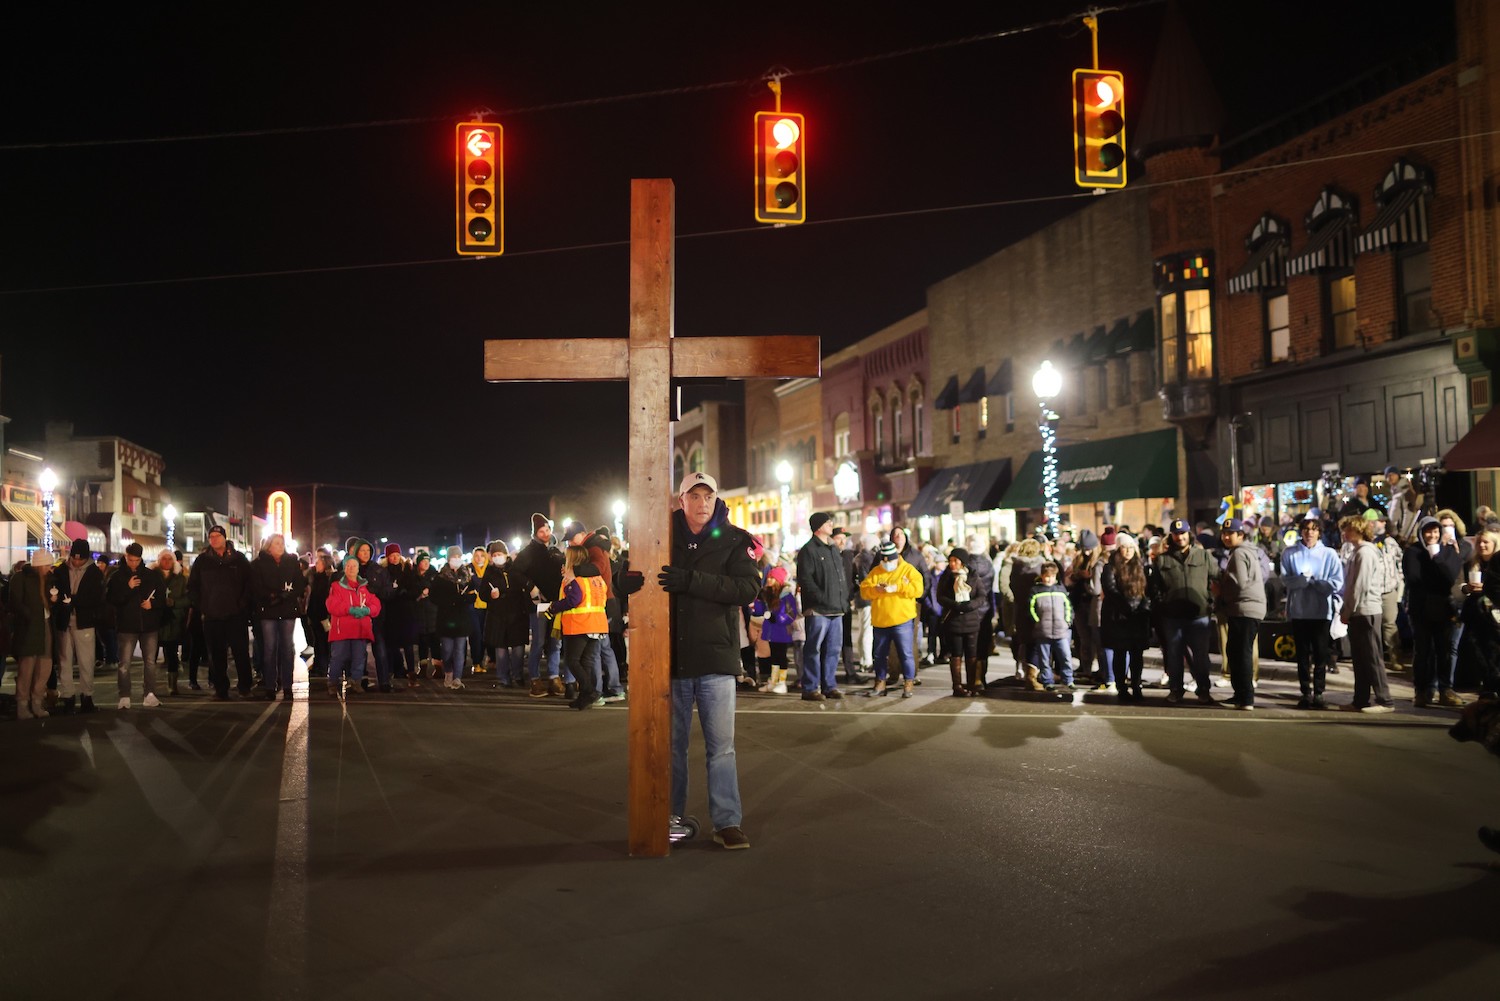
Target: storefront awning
(1002, 381)
(1111, 469)
(1480, 448)
(978, 487)
(973, 390)
(35, 520)
(1401, 222)
(947, 398)
(1266, 268)
(1138, 335)
(1331, 247)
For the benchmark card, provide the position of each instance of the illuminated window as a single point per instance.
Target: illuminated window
(1343, 320)
(984, 416)
(1278, 329)
(1199, 325)
(1169, 339)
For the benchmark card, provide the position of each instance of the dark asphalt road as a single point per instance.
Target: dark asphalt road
(471, 845)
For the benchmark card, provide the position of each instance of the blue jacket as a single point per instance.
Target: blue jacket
(1319, 596)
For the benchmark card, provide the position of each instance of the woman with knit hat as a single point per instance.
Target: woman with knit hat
(1125, 618)
(351, 608)
(429, 650)
(401, 618)
(507, 619)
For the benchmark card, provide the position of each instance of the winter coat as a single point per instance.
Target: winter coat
(542, 565)
(1178, 584)
(399, 611)
(341, 598)
(31, 609)
(1364, 580)
(219, 586)
(1242, 588)
(507, 619)
(1319, 595)
(964, 616)
(1051, 612)
(1124, 623)
(174, 610)
(1024, 571)
(445, 592)
(317, 594)
(276, 587)
(778, 617)
(426, 610)
(130, 617)
(87, 609)
(1429, 582)
(887, 609)
(705, 618)
(1390, 558)
(820, 576)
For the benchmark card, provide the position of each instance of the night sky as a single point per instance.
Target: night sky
(373, 377)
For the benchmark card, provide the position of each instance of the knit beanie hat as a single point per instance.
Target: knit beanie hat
(537, 521)
(423, 554)
(455, 555)
(818, 520)
(392, 548)
(80, 547)
(887, 551)
(41, 558)
(498, 546)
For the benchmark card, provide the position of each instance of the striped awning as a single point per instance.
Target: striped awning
(35, 520)
(1266, 268)
(1401, 222)
(1330, 247)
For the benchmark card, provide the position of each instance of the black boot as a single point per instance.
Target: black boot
(64, 707)
(86, 704)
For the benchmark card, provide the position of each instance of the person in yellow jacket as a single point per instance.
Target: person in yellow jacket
(893, 587)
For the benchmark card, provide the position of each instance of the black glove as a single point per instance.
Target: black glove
(632, 581)
(674, 580)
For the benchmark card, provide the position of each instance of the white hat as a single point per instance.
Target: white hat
(1125, 539)
(692, 480)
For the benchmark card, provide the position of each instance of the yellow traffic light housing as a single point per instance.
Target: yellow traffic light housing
(480, 160)
(780, 167)
(1098, 128)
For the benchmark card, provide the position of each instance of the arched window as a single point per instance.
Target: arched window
(679, 469)
(898, 428)
(695, 460)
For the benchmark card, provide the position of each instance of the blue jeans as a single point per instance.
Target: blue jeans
(820, 653)
(714, 696)
(346, 657)
(453, 657)
(542, 639)
(274, 640)
(1181, 634)
(608, 680)
(1049, 652)
(881, 646)
(510, 662)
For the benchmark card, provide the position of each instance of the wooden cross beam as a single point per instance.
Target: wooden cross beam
(650, 359)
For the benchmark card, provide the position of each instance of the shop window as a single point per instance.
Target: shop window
(1343, 320)
(1199, 326)
(1169, 339)
(984, 417)
(1278, 328)
(1101, 382)
(1414, 275)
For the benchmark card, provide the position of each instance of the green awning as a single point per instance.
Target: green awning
(1111, 469)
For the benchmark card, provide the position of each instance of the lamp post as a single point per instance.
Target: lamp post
(1046, 384)
(48, 482)
(784, 477)
(618, 510)
(171, 515)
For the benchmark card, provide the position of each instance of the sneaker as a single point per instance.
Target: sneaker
(1174, 698)
(731, 838)
(834, 694)
(613, 696)
(151, 701)
(1108, 686)
(1318, 703)
(811, 696)
(123, 703)
(1377, 707)
(539, 689)
(779, 688)
(194, 686)
(1490, 838)
(1451, 698)
(1205, 699)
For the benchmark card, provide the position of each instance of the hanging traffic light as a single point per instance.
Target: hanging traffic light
(480, 160)
(780, 168)
(1098, 129)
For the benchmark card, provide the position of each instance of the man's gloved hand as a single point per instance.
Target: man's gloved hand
(674, 580)
(632, 581)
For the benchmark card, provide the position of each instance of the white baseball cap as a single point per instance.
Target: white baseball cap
(692, 480)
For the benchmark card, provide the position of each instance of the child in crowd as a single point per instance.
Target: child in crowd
(1052, 618)
(778, 613)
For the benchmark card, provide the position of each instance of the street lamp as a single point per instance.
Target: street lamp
(48, 482)
(618, 510)
(784, 477)
(171, 515)
(1046, 384)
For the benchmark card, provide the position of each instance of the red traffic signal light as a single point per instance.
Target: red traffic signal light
(1098, 128)
(780, 167)
(479, 157)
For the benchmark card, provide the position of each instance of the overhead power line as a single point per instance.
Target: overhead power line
(586, 102)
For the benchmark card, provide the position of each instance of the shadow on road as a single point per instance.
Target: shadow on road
(1220, 764)
(48, 776)
(1368, 947)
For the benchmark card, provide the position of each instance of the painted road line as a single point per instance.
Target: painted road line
(286, 919)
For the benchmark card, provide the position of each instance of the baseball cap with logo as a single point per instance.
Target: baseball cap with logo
(1178, 525)
(692, 480)
(1236, 525)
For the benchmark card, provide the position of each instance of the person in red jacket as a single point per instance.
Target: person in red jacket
(350, 608)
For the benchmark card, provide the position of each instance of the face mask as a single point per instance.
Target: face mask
(890, 564)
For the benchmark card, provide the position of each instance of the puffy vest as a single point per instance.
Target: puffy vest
(588, 617)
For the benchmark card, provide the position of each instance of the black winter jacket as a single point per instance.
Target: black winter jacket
(130, 617)
(86, 610)
(820, 578)
(219, 586)
(706, 619)
(1124, 623)
(277, 587)
(542, 566)
(965, 616)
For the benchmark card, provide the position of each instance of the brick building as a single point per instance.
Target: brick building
(782, 422)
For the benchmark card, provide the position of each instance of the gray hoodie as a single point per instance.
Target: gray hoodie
(1364, 581)
(1242, 589)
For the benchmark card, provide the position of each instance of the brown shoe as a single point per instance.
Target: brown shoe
(1451, 698)
(539, 688)
(813, 696)
(879, 687)
(906, 687)
(556, 687)
(731, 838)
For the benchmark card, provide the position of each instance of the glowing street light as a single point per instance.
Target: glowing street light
(618, 510)
(48, 482)
(1046, 384)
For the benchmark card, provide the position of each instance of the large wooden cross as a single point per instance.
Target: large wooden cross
(650, 359)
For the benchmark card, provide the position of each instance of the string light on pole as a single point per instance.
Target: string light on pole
(1047, 383)
(48, 482)
(171, 515)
